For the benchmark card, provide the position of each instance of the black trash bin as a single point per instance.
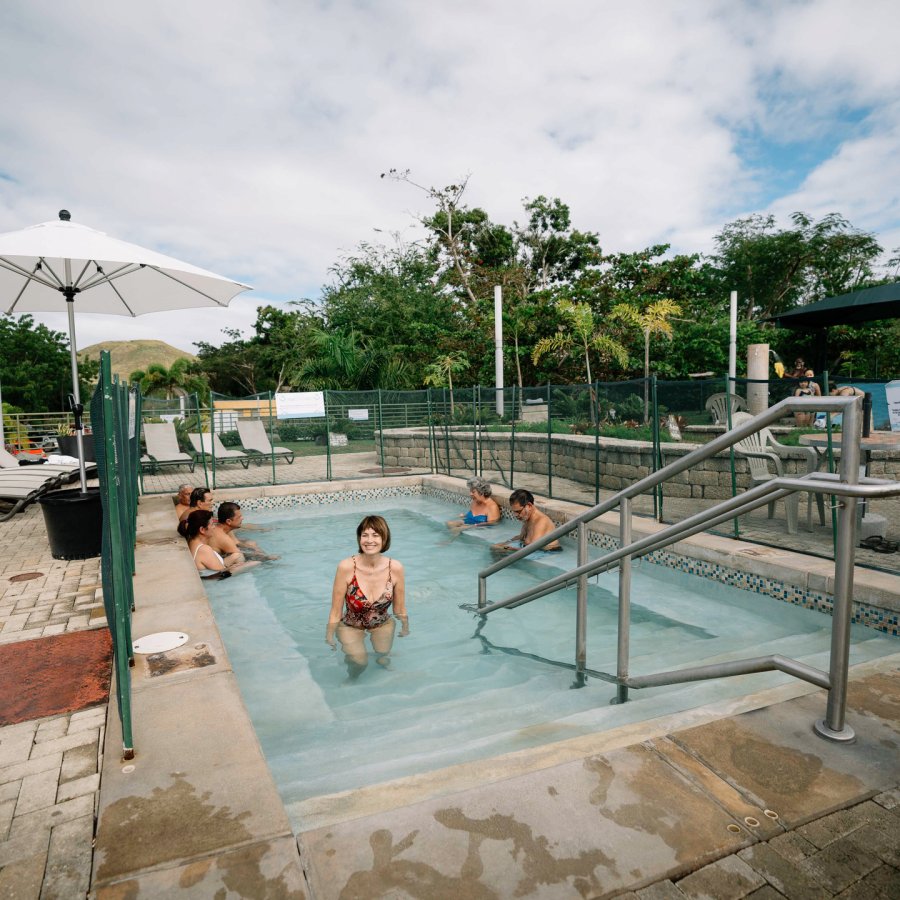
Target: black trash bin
(74, 523)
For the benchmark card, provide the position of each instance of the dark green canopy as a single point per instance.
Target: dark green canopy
(882, 302)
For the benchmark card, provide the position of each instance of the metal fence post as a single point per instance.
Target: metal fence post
(624, 635)
(581, 608)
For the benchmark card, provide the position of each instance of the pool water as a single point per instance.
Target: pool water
(457, 688)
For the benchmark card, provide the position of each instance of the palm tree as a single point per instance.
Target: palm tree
(441, 371)
(180, 379)
(586, 335)
(654, 320)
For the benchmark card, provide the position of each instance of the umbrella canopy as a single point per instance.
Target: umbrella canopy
(56, 265)
(868, 305)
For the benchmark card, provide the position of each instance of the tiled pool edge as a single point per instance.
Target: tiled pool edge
(866, 612)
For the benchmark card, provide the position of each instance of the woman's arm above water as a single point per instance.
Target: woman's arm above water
(398, 575)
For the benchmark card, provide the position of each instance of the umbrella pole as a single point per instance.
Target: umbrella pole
(76, 393)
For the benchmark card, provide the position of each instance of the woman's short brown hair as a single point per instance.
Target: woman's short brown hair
(379, 526)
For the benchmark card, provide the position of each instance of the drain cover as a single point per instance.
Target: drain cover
(160, 642)
(27, 576)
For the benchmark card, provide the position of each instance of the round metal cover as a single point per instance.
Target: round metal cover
(160, 642)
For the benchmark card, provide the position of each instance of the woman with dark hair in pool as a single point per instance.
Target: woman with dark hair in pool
(366, 586)
(195, 528)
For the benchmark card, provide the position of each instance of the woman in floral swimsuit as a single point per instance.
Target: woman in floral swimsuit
(368, 574)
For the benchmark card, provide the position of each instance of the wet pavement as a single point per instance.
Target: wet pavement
(738, 800)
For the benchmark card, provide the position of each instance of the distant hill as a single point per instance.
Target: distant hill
(129, 356)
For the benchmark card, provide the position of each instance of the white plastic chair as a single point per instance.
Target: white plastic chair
(717, 405)
(761, 449)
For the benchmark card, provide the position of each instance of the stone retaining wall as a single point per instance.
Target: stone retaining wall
(573, 456)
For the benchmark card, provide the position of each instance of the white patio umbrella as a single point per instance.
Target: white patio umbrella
(56, 263)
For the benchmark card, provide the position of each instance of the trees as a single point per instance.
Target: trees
(774, 269)
(654, 319)
(35, 366)
(585, 335)
(440, 373)
(183, 377)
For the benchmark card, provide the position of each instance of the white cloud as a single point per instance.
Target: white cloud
(249, 138)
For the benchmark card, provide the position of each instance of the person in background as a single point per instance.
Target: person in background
(483, 510)
(366, 586)
(805, 389)
(224, 540)
(201, 498)
(535, 524)
(183, 500)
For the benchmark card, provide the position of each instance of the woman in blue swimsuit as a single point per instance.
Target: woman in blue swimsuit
(368, 574)
(484, 509)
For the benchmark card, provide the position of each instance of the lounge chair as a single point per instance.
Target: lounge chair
(19, 489)
(255, 441)
(717, 405)
(760, 450)
(10, 463)
(162, 448)
(209, 445)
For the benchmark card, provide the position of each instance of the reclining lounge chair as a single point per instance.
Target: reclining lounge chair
(21, 487)
(68, 471)
(209, 445)
(162, 448)
(256, 442)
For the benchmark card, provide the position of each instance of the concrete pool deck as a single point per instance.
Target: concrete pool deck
(665, 808)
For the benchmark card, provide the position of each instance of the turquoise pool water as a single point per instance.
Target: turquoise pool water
(456, 692)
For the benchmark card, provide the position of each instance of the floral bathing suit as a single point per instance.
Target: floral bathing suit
(359, 612)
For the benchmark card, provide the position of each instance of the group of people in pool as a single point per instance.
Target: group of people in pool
(215, 547)
(369, 591)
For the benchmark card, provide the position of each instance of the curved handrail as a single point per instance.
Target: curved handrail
(847, 484)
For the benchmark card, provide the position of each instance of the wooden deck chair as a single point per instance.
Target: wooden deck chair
(17, 491)
(717, 405)
(255, 441)
(209, 445)
(760, 450)
(162, 448)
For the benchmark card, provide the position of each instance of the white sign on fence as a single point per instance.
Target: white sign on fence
(358, 415)
(300, 405)
(892, 392)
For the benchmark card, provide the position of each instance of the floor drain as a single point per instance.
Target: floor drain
(771, 813)
(734, 829)
(753, 823)
(27, 576)
(160, 642)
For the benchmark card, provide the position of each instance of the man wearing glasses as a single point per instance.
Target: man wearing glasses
(535, 524)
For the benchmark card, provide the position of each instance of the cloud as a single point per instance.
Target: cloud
(249, 138)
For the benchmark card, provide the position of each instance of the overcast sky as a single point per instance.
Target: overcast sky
(248, 137)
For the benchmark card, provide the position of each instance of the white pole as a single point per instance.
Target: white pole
(2, 437)
(498, 347)
(732, 344)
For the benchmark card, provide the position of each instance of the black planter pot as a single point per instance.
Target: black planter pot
(74, 523)
(68, 446)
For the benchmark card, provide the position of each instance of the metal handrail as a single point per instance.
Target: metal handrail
(848, 484)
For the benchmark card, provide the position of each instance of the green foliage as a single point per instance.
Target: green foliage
(35, 365)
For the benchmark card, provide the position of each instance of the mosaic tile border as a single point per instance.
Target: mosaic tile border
(866, 614)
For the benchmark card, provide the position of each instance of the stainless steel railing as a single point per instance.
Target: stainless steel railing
(847, 484)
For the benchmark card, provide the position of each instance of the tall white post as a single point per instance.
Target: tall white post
(2, 437)
(758, 378)
(498, 347)
(732, 344)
